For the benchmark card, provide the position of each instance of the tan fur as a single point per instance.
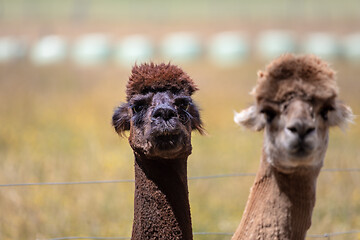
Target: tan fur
(279, 206)
(306, 76)
(296, 104)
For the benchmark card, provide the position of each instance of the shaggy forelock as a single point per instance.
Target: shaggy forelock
(305, 76)
(152, 77)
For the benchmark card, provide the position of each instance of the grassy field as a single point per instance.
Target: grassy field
(55, 127)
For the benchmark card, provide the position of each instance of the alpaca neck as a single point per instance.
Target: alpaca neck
(280, 205)
(161, 205)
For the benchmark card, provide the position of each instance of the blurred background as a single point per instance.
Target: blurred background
(63, 69)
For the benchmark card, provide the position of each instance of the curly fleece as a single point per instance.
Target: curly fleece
(152, 77)
(288, 76)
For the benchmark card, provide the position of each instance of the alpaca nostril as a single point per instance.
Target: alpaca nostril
(301, 129)
(166, 113)
(292, 129)
(158, 113)
(169, 113)
(310, 130)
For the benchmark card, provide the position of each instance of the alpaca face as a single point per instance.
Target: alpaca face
(296, 131)
(296, 103)
(160, 123)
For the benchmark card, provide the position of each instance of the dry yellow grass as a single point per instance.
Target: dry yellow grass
(55, 127)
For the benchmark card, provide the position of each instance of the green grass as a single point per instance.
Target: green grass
(55, 127)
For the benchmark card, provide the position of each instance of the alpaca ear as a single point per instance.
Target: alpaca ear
(341, 115)
(121, 119)
(196, 123)
(250, 118)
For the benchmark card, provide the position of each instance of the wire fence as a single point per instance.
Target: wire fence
(327, 236)
(321, 236)
(132, 180)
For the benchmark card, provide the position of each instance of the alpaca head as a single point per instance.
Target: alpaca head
(159, 113)
(296, 103)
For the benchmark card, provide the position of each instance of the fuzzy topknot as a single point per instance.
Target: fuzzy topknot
(302, 76)
(152, 77)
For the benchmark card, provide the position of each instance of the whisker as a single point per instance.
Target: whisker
(188, 115)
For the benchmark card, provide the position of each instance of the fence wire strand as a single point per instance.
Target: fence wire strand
(324, 235)
(132, 180)
(98, 238)
(66, 183)
(329, 235)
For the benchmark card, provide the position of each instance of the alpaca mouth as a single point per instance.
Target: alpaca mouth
(167, 140)
(300, 153)
(301, 150)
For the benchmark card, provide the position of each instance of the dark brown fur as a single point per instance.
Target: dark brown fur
(161, 205)
(159, 107)
(150, 78)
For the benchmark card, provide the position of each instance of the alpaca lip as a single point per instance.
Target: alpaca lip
(165, 129)
(166, 136)
(167, 140)
(301, 153)
(301, 150)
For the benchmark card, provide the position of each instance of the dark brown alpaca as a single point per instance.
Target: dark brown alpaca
(160, 115)
(296, 104)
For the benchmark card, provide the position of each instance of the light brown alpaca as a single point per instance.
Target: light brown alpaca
(160, 115)
(296, 103)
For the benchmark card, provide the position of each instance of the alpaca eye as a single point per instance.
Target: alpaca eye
(137, 108)
(184, 106)
(269, 114)
(324, 112)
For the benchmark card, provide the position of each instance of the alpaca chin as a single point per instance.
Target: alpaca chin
(288, 162)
